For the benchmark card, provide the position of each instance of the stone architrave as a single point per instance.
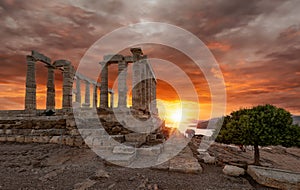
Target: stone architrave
(104, 85)
(122, 87)
(50, 104)
(30, 96)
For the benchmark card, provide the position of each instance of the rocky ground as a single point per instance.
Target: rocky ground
(52, 166)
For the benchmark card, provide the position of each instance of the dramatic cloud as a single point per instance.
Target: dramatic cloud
(256, 43)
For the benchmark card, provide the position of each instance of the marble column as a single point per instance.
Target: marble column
(136, 78)
(50, 104)
(148, 89)
(95, 95)
(68, 75)
(30, 96)
(122, 86)
(104, 86)
(78, 91)
(87, 101)
(143, 85)
(154, 103)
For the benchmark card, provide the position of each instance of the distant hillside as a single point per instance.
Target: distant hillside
(296, 119)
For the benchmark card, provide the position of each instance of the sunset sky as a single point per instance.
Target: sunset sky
(256, 44)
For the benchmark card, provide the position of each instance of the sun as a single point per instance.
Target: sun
(176, 116)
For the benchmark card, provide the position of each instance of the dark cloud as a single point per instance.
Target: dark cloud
(255, 42)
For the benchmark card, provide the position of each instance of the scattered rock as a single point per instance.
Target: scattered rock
(111, 186)
(209, 159)
(84, 185)
(100, 173)
(233, 170)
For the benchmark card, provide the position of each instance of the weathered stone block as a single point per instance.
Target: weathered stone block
(135, 137)
(69, 141)
(70, 123)
(118, 138)
(270, 177)
(28, 139)
(11, 139)
(121, 149)
(1, 131)
(8, 131)
(20, 139)
(74, 132)
(56, 140)
(233, 170)
(150, 151)
(78, 141)
(3, 139)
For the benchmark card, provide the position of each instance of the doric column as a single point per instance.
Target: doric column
(78, 91)
(122, 87)
(153, 96)
(50, 104)
(104, 85)
(68, 75)
(136, 78)
(143, 84)
(30, 96)
(95, 95)
(148, 90)
(87, 101)
(111, 99)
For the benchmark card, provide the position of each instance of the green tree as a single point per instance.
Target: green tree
(262, 125)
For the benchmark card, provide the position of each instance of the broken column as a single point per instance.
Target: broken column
(104, 85)
(122, 87)
(87, 102)
(30, 96)
(50, 104)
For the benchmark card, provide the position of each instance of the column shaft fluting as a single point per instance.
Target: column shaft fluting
(50, 104)
(104, 86)
(87, 101)
(95, 95)
(30, 96)
(122, 86)
(78, 91)
(68, 75)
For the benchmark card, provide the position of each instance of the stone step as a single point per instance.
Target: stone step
(123, 149)
(150, 150)
(121, 159)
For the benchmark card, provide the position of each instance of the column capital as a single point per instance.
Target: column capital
(30, 58)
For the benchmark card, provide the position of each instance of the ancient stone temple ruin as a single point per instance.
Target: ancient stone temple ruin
(143, 92)
(53, 125)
